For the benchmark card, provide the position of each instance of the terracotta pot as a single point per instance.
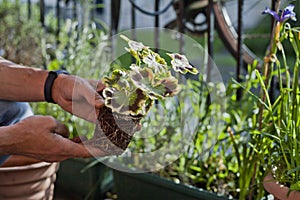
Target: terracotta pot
(279, 191)
(31, 181)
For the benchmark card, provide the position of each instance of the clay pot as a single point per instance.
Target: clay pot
(279, 191)
(30, 181)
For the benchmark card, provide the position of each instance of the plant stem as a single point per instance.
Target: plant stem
(268, 63)
(295, 103)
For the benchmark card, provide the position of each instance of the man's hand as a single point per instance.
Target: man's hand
(43, 138)
(78, 96)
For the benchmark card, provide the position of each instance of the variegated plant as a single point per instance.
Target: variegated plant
(132, 92)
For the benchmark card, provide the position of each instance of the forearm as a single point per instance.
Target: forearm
(20, 83)
(5, 141)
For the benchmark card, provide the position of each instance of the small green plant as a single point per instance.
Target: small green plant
(131, 91)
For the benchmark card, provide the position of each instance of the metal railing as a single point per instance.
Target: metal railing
(180, 9)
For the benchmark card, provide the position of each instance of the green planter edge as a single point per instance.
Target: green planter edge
(91, 183)
(149, 186)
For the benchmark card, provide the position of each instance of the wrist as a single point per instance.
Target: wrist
(50, 82)
(60, 86)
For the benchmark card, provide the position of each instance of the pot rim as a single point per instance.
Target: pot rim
(26, 167)
(278, 190)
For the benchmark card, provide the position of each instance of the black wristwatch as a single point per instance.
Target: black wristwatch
(49, 84)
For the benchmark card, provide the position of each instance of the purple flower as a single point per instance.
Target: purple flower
(287, 13)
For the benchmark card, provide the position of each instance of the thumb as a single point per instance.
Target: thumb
(99, 102)
(61, 129)
(91, 94)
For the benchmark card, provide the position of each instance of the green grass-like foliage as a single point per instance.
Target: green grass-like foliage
(280, 117)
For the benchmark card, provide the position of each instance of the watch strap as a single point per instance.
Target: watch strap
(49, 84)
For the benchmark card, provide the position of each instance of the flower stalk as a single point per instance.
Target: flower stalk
(275, 43)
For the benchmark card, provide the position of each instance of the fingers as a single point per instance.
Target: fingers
(56, 127)
(61, 129)
(79, 139)
(46, 140)
(138, 127)
(93, 152)
(97, 84)
(98, 99)
(74, 147)
(100, 86)
(80, 97)
(92, 97)
(81, 150)
(95, 101)
(92, 82)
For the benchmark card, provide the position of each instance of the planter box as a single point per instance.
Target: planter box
(136, 186)
(90, 184)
